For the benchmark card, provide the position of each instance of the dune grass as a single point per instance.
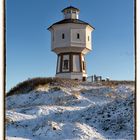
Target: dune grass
(31, 84)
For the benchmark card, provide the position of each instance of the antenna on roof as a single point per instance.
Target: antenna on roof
(70, 1)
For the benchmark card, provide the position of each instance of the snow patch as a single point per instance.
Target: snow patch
(88, 112)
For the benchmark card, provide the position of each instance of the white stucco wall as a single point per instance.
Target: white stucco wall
(88, 34)
(58, 41)
(81, 32)
(70, 30)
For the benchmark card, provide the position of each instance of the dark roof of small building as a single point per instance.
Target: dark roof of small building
(70, 7)
(76, 21)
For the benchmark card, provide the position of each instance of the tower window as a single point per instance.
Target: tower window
(88, 38)
(84, 65)
(74, 12)
(78, 35)
(66, 63)
(63, 36)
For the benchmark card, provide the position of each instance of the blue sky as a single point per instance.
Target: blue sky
(28, 41)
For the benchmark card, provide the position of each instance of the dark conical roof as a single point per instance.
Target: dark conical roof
(76, 21)
(70, 7)
(70, 20)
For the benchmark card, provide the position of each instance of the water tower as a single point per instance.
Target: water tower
(71, 41)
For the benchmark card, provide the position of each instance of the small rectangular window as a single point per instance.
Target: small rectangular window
(88, 38)
(63, 36)
(78, 36)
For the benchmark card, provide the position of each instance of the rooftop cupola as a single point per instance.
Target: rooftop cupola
(71, 13)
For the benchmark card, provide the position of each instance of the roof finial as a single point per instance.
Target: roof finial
(70, 1)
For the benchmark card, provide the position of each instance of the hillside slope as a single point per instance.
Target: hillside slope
(84, 112)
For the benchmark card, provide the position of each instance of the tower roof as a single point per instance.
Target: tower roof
(76, 21)
(70, 8)
(70, 16)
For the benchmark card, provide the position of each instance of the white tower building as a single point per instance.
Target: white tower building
(71, 40)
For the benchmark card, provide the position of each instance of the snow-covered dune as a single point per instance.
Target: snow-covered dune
(85, 112)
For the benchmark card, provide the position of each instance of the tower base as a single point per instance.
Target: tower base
(72, 75)
(71, 66)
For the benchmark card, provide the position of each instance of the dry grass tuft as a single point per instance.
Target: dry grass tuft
(76, 94)
(113, 84)
(8, 120)
(82, 90)
(111, 95)
(54, 88)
